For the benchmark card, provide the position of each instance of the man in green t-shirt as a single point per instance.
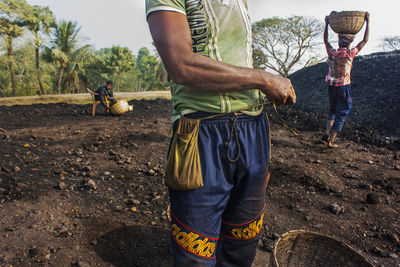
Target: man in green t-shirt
(206, 48)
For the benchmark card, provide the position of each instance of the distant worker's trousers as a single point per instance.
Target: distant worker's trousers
(339, 105)
(220, 223)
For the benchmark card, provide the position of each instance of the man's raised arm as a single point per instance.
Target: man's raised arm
(326, 38)
(366, 33)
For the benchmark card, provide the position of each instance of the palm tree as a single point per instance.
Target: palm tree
(65, 46)
(38, 19)
(74, 72)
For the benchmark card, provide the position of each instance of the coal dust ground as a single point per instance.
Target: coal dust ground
(83, 191)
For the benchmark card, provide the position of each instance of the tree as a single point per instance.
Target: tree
(280, 44)
(65, 50)
(38, 19)
(74, 72)
(11, 27)
(5, 79)
(120, 60)
(96, 71)
(145, 64)
(161, 74)
(391, 43)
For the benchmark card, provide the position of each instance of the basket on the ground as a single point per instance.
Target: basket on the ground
(347, 22)
(121, 107)
(301, 248)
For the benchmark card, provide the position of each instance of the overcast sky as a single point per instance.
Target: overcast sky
(122, 22)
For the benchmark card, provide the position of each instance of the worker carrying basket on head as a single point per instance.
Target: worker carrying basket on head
(346, 24)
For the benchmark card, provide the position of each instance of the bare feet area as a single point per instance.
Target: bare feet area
(83, 191)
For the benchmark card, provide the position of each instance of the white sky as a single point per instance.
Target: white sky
(122, 22)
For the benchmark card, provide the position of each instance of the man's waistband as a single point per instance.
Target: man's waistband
(216, 116)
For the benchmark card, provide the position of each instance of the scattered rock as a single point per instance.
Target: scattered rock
(281, 160)
(81, 263)
(62, 186)
(133, 202)
(336, 209)
(150, 172)
(118, 208)
(393, 255)
(380, 252)
(90, 183)
(87, 169)
(393, 237)
(373, 198)
(350, 176)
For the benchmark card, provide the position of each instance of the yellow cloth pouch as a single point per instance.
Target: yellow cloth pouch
(183, 171)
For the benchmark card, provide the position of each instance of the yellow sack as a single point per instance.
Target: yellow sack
(183, 171)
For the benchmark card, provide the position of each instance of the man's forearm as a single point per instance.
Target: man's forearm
(206, 74)
(366, 33)
(326, 34)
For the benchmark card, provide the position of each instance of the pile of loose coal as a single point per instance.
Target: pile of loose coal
(375, 91)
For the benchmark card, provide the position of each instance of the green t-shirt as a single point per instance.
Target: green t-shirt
(221, 30)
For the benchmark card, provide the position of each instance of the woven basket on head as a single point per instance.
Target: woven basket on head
(121, 107)
(347, 22)
(300, 248)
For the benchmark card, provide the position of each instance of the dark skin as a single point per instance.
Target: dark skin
(172, 37)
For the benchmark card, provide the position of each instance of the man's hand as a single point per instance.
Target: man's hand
(280, 90)
(367, 16)
(327, 20)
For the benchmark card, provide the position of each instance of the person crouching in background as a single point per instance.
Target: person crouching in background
(105, 95)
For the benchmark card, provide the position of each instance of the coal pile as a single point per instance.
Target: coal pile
(375, 91)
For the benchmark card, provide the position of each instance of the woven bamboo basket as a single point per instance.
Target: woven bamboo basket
(121, 107)
(347, 22)
(299, 248)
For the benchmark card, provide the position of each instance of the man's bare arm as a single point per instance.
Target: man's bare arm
(366, 33)
(326, 38)
(172, 37)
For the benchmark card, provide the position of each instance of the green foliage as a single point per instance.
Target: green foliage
(11, 24)
(68, 55)
(146, 64)
(280, 44)
(119, 60)
(38, 20)
(25, 73)
(5, 79)
(66, 65)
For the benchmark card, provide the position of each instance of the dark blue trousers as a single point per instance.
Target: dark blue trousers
(220, 223)
(339, 105)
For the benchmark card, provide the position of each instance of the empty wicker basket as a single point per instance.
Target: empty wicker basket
(300, 248)
(347, 22)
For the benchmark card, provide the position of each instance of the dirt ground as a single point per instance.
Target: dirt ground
(83, 191)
